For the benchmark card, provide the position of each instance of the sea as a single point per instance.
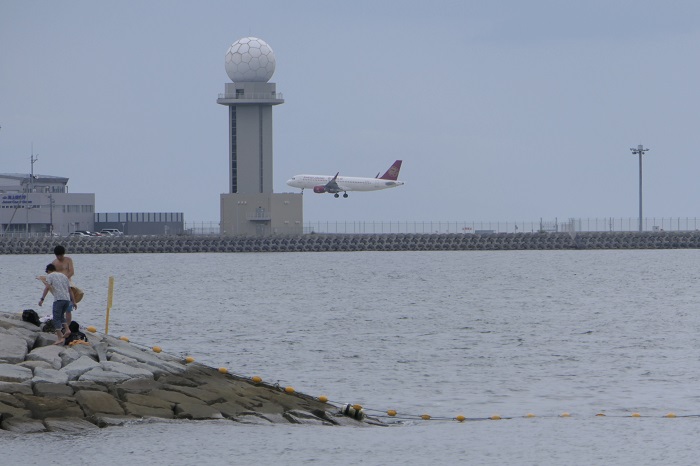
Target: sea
(553, 357)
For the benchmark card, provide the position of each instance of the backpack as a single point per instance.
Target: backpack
(30, 315)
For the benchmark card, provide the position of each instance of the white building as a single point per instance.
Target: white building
(41, 205)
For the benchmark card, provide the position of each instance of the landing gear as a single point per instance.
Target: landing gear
(336, 195)
(345, 194)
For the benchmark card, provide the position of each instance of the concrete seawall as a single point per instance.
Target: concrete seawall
(109, 382)
(356, 242)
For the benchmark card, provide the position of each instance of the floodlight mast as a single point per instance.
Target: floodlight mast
(640, 150)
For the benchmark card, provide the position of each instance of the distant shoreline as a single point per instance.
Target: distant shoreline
(357, 242)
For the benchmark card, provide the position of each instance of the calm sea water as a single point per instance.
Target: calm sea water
(441, 333)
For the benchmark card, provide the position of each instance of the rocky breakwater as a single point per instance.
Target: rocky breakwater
(47, 387)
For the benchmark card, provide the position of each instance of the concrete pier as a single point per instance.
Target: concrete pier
(356, 242)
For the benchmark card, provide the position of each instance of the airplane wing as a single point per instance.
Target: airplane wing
(332, 185)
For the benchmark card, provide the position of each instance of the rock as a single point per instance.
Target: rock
(98, 403)
(53, 389)
(110, 420)
(87, 386)
(70, 426)
(34, 364)
(302, 417)
(49, 354)
(131, 371)
(148, 411)
(23, 425)
(139, 386)
(14, 373)
(24, 388)
(12, 348)
(196, 411)
(12, 410)
(43, 408)
(44, 339)
(10, 400)
(80, 366)
(29, 336)
(42, 375)
(99, 375)
(73, 353)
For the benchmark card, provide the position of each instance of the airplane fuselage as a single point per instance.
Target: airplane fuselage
(345, 183)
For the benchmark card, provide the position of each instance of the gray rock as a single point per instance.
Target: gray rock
(52, 389)
(24, 388)
(99, 375)
(12, 348)
(70, 426)
(148, 411)
(302, 417)
(10, 400)
(196, 411)
(44, 339)
(73, 353)
(34, 364)
(94, 403)
(23, 425)
(132, 371)
(42, 375)
(108, 420)
(86, 386)
(42, 407)
(14, 373)
(138, 386)
(80, 366)
(49, 354)
(29, 336)
(10, 410)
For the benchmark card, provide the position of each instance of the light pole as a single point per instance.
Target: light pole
(640, 150)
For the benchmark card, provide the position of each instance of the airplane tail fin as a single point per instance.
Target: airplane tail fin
(393, 172)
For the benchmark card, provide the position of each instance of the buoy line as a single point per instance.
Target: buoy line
(359, 412)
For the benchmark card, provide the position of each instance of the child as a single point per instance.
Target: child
(63, 297)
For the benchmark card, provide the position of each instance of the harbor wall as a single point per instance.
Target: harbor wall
(356, 242)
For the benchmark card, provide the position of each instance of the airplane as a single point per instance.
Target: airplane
(337, 184)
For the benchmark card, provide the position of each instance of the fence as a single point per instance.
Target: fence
(483, 227)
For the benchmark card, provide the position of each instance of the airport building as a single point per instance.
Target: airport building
(41, 205)
(251, 207)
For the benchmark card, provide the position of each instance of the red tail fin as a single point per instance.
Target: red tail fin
(393, 172)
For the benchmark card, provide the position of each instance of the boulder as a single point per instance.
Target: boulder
(11, 410)
(53, 389)
(13, 348)
(196, 411)
(70, 426)
(14, 373)
(49, 354)
(139, 386)
(132, 371)
(34, 364)
(73, 353)
(22, 425)
(13, 387)
(42, 375)
(80, 366)
(43, 408)
(99, 375)
(94, 403)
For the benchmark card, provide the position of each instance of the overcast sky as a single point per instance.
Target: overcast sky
(501, 110)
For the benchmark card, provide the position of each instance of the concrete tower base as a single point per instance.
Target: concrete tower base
(262, 214)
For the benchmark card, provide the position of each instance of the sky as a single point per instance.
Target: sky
(501, 111)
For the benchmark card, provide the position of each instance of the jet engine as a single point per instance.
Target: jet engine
(319, 189)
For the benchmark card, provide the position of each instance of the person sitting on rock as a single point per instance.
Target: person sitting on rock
(63, 297)
(76, 336)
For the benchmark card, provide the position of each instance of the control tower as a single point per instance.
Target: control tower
(250, 207)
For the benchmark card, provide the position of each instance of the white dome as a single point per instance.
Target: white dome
(250, 60)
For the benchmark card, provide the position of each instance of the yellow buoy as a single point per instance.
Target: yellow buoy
(600, 415)
(425, 417)
(636, 415)
(671, 415)
(495, 417)
(123, 338)
(156, 349)
(529, 415)
(391, 412)
(323, 399)
(91, 329)
(189, 359)
(357, 407)
(289, 389)
(565, 415)
(223, 370)
(256, 379)
(461, 418)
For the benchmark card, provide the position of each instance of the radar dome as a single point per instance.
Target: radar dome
(250, 60)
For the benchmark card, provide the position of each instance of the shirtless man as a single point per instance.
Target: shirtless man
(64, 265)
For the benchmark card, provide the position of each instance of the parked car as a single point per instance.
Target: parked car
(81, 234)
(111, 232)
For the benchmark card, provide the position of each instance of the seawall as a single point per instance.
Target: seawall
(356, 242)
(108, 382)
